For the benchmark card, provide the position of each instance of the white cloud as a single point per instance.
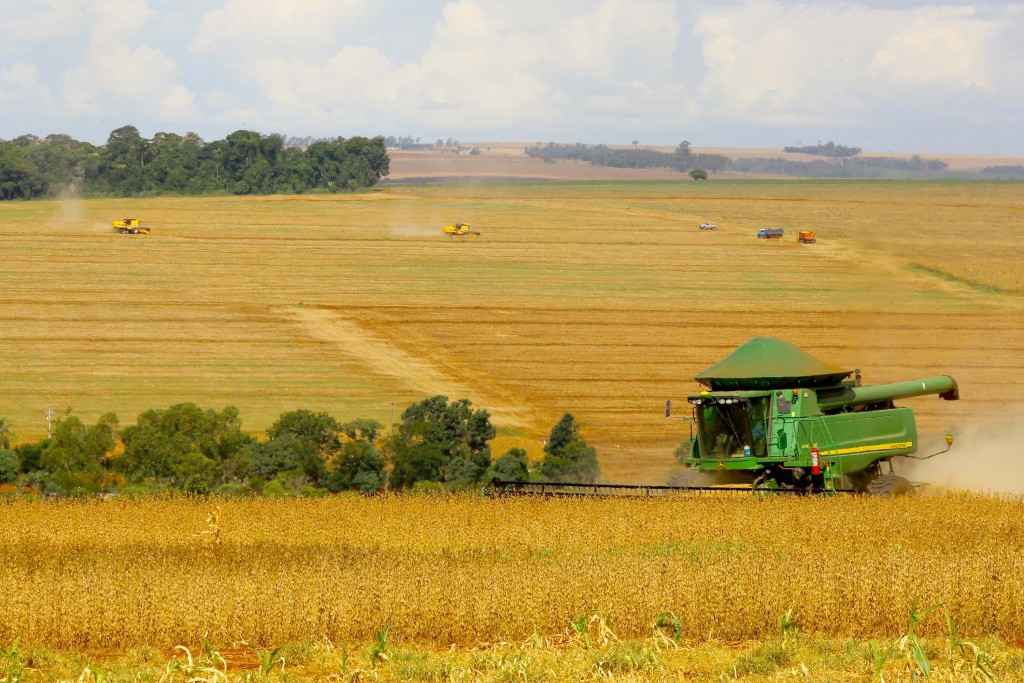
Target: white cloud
(486, 65)
(777, 64)
(589, 70)
(774, 63)
(241, 29)
(40, 21)
(177, 104)
(622, 40)
(940, 46)
(120, 71)
(19, 84)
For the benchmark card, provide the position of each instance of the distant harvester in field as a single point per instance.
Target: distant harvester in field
(460, 230)
(130, 226)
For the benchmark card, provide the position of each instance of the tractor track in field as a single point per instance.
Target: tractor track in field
(383, 357)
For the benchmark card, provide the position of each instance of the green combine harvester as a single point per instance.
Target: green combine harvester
(775, 419)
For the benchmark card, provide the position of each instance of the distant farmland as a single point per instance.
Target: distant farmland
(599, 298)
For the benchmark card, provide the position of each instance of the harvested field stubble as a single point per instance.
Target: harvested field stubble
(602, 299)
(118, 574)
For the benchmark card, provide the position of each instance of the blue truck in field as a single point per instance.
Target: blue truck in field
(770, 233)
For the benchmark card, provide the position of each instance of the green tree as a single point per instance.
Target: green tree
(284, 454)
(361, 430)
(19, 177)
(514, 465)
(30, 454)
(311, 441)
(567, 457)
(320, 430)
(6, 434)
(64, 161)
(76, 454)
(359, 466)
(432, 434)
(699, 174)
(162, 442)
(10, 466)
(169, 169)
(123, 160)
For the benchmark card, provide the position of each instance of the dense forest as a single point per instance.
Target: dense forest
(246, 162)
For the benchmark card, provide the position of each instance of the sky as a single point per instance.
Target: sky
(899, 76)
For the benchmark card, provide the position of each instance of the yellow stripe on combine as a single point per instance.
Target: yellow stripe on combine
(870, 449)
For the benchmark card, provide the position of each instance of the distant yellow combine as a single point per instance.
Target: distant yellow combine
(460, 230)
(130, 226)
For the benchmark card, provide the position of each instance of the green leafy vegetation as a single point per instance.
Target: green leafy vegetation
(245, 162)
(438, 446)
(568, 457)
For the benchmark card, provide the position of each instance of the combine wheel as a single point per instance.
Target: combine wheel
(889, 485)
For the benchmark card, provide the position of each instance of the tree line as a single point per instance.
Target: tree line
(829, 149)
(245, 162)
(438, 445)
(684, 160)
(850, 167)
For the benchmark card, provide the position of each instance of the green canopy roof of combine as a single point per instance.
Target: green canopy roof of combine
(770, 363)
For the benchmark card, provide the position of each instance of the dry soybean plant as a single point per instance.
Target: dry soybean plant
(464, 570)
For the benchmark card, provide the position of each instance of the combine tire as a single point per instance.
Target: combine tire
(889, 485)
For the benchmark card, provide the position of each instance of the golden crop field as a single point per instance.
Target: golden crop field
(114, 575)
(601, 299)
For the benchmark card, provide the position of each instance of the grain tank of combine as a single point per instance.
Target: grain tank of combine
(775, 417)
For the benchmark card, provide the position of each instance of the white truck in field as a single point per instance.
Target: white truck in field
(708, 226)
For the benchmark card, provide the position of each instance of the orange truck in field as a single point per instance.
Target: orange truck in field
(806, 236)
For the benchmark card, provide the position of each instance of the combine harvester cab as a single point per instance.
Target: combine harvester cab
(775, 417)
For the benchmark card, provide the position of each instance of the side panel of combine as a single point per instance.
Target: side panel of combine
(853, 441)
